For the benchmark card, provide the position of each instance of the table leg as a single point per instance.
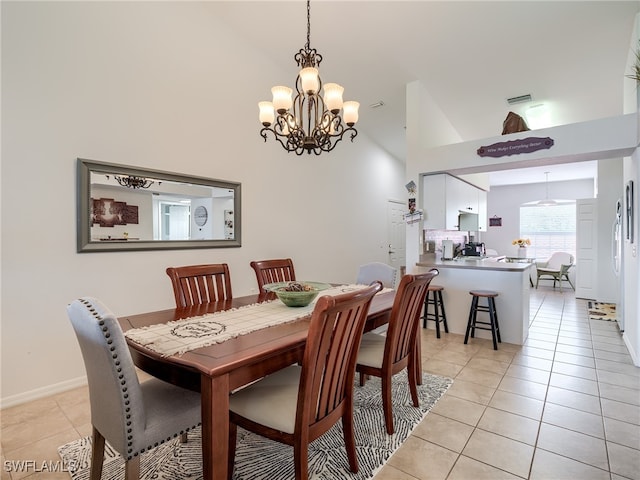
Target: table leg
(215, 426)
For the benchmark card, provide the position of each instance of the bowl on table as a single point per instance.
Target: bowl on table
(296, 293)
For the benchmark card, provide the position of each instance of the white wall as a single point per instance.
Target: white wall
(610, 189)
(505, 202)
(630, 255)
(148, 84)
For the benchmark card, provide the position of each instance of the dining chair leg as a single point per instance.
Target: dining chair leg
(350, 438)
(301, 459)
(417, 360)
(132, 469)
(97, 454)
(386, 403)
(184, 438)
(413, 384)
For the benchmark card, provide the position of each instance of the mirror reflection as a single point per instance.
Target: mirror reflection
(129, 208)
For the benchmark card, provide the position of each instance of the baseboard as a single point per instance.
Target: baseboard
(42, 392)
(632, 352)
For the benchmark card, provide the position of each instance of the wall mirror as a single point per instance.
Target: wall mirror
(121, 208)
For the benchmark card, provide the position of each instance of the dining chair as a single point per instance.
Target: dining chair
(386, 355)
(271, 271)
(198, 284)
(298, 404)
(370, 272)
(133, 417)
(556, 268)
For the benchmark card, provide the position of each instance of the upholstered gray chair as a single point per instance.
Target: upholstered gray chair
(556, 268)
(382, 272)
(133, 417)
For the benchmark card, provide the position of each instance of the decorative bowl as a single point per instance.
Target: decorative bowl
(296, 293)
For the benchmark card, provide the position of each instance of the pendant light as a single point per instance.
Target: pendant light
(547, 202)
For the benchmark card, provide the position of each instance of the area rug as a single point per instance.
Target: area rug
(260, 459)
(602, 311)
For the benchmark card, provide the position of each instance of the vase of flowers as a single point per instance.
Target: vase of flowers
(522, 244)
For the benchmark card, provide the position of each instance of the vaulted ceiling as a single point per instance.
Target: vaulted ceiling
(471, 57)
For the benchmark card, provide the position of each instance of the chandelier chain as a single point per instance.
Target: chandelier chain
(308, 45)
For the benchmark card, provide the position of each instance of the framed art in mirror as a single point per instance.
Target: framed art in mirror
(122, 208)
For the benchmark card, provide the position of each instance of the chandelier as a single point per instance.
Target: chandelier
(131, 181)
(309, 122)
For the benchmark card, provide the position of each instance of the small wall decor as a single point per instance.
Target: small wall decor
(413, 216)
(106, 212)
(495, 221)
(629, 210)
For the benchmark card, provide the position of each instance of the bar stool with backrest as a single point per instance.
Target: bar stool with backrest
(490, 308)
(199, 284)
(272, 271)
(434, 297)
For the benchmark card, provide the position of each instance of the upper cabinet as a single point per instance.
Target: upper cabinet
(445, 197)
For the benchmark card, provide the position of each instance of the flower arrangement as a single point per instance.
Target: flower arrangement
(521, 242)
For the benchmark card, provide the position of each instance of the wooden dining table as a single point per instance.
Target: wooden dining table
(217, 370)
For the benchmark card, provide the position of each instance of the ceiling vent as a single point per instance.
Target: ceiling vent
(520, 99)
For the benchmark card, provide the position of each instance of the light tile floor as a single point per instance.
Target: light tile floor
(566, 405)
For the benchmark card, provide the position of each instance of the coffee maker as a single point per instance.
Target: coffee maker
(474, 249)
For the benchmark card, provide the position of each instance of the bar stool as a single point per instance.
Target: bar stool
(490, 308)
(434, 297)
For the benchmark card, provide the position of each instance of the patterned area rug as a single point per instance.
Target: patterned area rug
(261, 459)
(602, 311)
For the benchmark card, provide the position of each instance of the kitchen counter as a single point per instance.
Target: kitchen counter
(459, 277)
(476, 263)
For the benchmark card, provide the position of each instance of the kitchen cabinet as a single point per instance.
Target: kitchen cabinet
(445, 197)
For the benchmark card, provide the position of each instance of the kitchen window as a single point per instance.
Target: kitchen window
(551, 228)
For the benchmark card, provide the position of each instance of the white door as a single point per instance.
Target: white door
(396, 231)
(586, 249)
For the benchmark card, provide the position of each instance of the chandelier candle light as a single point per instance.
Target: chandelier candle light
(309, 122)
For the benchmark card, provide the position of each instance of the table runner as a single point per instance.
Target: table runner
(180, 336)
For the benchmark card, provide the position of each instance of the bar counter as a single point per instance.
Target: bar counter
(459, 277)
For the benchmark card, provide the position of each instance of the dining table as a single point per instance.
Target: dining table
(218, 369)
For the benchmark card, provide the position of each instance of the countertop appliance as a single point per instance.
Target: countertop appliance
(474, 249)
(447, 250)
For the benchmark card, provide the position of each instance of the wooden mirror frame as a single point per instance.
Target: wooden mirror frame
(84, 206)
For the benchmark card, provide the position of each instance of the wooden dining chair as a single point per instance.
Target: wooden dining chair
(133, 417)
(386, 355)
(271, 271)
(298, 404)
(198, 284)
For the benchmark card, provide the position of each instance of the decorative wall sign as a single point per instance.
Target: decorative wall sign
(495, 221)
(515, 147)
(106, 212)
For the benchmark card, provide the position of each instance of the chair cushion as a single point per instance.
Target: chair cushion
(170, 410)
(371, 351)
(548, 271)
(271, 401)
